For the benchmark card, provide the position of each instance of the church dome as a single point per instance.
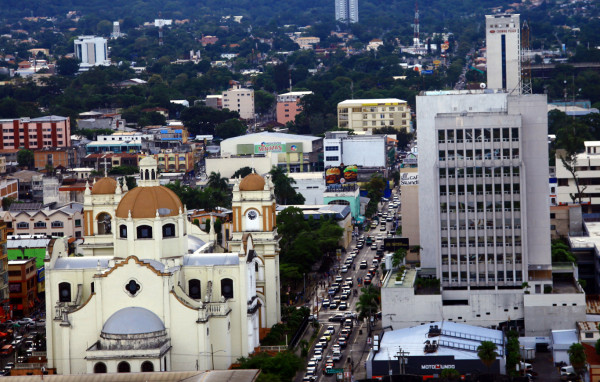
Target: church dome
(104, 186)
(133, 320)
(144, 201)
(252, 182)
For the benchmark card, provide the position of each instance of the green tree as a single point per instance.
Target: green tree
(281, 367)
(450, 375)
(217, 182)
(6, 202)
(263, 101)
(561, 253)
(25, 158)
(368, 302)
(242, 172)
(230, 128)
(577, 358)
(67, 66)
(398, 257)
(513, 352)
(487, 353)
(284, 192)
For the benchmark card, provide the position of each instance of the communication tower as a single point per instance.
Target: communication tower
(526, 87)
(416, 26)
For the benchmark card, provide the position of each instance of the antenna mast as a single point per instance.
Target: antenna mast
(416, 26)
(526, 87)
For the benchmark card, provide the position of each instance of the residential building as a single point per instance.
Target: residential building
(64, 221)
(288, 106)
(175, 161)
(214, 100)
(360, 150)
(162, 295)
(587, 165)
(239, 99)
(54, 157)
(503, 47)
(364, 115)
(566, 220)
(91, 51)
(9, 188)
(35, 133)
(102, 162)
(346, 11)
(307, 42)
(30, 184)
(22, 285)
(588, 332)
(2, 165)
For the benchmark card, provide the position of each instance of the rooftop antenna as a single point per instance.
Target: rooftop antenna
(290, 75)
(526, 87)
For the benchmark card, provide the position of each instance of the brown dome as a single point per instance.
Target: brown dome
(104, 186)
(144, 201)
(252, 182)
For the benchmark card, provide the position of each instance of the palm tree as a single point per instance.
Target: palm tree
(487, 353)
(398, 257)
(577, 357)
(368, 303)
(216, 182)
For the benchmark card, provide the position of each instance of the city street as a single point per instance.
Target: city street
(354, 353)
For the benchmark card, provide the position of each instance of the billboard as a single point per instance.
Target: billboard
(276, 147)
(341, 174)
(409, 178)
(392, 244)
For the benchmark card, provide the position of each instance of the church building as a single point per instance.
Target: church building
(149, 291)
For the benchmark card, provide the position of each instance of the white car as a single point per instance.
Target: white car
(344, 269)
(318, 355)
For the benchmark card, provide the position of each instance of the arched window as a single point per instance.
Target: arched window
(168, 230)
(144, 232)
(104, 224)
(123, 367)
(123, 231)
(194, 289)
(147, 175)
(92, 287)
(227, 288)
(153, 174)
(100, 368)
(147, 366)
(64, 292)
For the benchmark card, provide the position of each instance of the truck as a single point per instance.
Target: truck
(566, 370)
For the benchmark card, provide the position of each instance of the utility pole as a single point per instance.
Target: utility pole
(401, 358)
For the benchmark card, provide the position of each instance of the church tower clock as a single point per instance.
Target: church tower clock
(254, 214)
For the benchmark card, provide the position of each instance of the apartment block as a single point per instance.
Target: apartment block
(239, 99)
(91, 51)
(35, 133)
(288, 106)
(364, 115)
(54, 157)
(587, 171)
(346, 11)
(22, 278)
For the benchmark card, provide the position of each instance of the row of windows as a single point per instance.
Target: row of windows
(332, 159)
(481, 258)
(487, 154)
(480, 207)
(145, 231)
(123, 367)
(41, 224)
(478, 172)
(332, 148)
(491, 276)
(480, 189)
(478, 135)
(195, 288)
(480, 223)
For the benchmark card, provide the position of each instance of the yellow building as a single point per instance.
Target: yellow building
(175, 162)
(364, 115)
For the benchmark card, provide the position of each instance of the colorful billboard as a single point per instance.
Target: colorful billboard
(341, 174)
(269, 147)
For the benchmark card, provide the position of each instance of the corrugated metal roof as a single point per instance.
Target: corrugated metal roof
(207, 259)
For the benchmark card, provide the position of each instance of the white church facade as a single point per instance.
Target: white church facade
(152, 292)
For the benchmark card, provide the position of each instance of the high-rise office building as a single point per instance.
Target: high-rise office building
(503, 44)
(346, 11)
(91, 51)
(483, 161)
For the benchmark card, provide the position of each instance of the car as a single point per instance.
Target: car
(26, 322)
(367, 280)
(333, 304)
(326, 303)
(343, 341)
(325, 338)
(311, 364)
(339, 279)
(363, 264)
(336, 286)
(348, 323)
(332, 290)
(336, 347)
(375, 262)
(345, 332)
(383, 228)
(308, 378)
(343, 306)
(349, 281)
(345, 296)
(344, 269)
(379, 253)
(336, 318)
(318, 354)
(337, 355)
(389, 219)
(330, 329)
(360, 245)
(374, 246)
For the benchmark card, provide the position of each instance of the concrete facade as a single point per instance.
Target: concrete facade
(587, 166)
(503, 43)
(35, 133)
(364, 115)
(288, 106)
(241, 100)
(346, 11)
(310, 184)
(409, 204)
(360, 150)
(91, 51)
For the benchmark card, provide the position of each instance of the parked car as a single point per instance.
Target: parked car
(336, 318)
